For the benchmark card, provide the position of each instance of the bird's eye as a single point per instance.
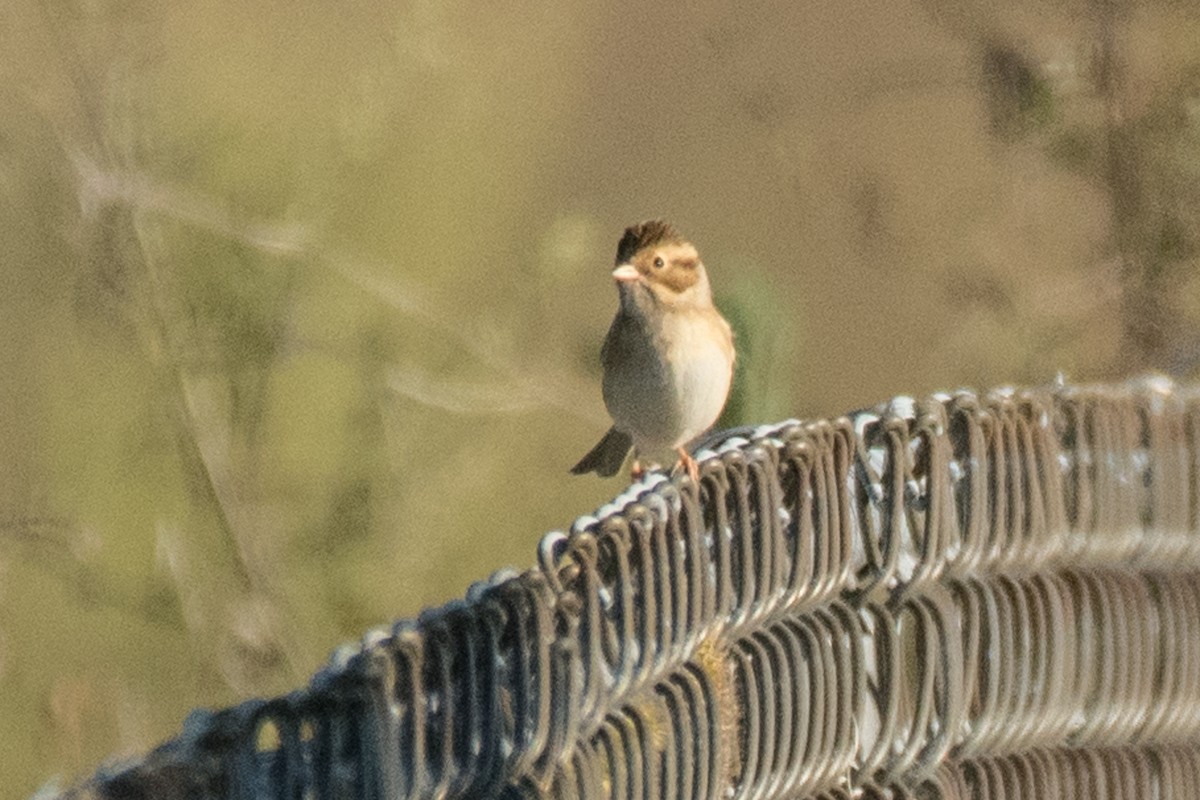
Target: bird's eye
(658, 262)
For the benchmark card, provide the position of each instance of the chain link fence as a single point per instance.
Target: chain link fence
(966, 596)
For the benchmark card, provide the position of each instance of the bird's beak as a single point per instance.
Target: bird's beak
(626, 273)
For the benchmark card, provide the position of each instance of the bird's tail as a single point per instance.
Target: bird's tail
(606, 458)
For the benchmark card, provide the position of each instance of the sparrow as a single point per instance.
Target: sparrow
(668, 356)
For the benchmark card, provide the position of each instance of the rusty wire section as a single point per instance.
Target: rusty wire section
(983, 596)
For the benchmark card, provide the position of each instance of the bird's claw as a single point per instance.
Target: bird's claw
(687, 464)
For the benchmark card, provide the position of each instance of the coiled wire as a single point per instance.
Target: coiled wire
(985, 596)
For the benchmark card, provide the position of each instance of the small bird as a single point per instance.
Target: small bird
(668, 357)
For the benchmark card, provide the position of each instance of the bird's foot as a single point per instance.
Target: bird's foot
(687, 464)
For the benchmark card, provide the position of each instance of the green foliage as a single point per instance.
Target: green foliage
(766, 335)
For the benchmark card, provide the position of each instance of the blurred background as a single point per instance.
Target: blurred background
(301, 304)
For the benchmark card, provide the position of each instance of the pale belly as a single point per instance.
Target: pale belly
(664, 403)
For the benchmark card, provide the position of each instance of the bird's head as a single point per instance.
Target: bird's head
(654, 262)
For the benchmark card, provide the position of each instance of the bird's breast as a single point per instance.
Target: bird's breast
(701, 357)
(666, 378)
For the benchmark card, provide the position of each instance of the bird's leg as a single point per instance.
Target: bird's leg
(636, 470)
(689, 464)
